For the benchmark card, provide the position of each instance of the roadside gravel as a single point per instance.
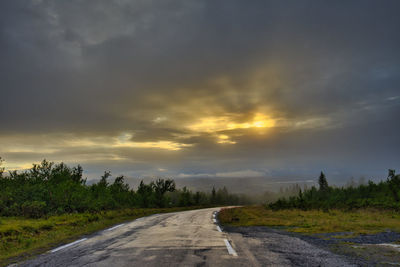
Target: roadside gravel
(272, 247)
(362, 250)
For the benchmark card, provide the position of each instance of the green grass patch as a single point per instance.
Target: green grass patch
(21, 238)
(363, 221)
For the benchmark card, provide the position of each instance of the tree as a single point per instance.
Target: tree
(323, 183)
(145, 193)
(42, 171)
(119, 185)
(213, 196)
(1, 169)
(77, 174)
(102, 194)
(103, 181)
(121, 192)
(197, 198)
(162, 186)
(185, 198)
(394, 184)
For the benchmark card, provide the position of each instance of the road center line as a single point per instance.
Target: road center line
(230, 248)
(112, 228)
(68, 245)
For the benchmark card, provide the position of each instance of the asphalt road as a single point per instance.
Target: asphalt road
(189, 238)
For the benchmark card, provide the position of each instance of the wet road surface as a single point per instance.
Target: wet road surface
(188, 238)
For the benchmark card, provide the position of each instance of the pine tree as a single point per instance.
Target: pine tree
(323, 183)
(213, 196)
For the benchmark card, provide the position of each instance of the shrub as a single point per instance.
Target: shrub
(35, 209)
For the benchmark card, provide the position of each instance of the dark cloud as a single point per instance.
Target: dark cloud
(106, 82)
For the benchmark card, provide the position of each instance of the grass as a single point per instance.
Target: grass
(21, 238)
(314, 221)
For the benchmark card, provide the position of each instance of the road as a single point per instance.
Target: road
(188, 238)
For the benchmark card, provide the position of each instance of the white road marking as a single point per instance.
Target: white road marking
(112, 228)
(68, 245)
(219, 229)
(214, 220)
(230, 248)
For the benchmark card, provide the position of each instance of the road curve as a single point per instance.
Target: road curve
(188, 238)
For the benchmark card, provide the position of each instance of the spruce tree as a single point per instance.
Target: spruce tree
(1, 169)
(323, 183)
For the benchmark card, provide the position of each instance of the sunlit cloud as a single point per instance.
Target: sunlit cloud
(14, 166)
(124, 141)
(224, 139)
(223, 123)
(168, 145)
(159, 119)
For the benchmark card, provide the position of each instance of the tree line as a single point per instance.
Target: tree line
(385, 194)
(48, 188)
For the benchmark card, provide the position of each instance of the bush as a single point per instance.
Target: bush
(35, 209)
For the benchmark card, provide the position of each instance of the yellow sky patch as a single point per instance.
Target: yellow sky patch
(224, 139)
(223, 123)
(168, 145)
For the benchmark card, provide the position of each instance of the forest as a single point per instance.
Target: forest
(385, 194)
(52, 189)
(49, 189)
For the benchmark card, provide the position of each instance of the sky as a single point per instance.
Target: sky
(202, 88)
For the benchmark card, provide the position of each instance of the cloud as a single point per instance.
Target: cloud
(200, 87)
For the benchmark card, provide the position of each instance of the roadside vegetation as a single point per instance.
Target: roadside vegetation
(382, 195)
(53, 189)
(362, 209)
(361, 221)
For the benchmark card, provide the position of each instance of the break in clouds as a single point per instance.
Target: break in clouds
(202, 88)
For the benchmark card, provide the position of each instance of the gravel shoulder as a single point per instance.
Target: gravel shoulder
(331, 249)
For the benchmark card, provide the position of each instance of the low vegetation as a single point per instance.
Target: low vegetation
(361, 221)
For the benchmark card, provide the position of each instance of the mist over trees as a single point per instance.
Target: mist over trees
(385, 194)
(50, 188)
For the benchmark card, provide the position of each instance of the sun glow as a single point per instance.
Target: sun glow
(224, 139)
(219, 125)
(223, 123)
